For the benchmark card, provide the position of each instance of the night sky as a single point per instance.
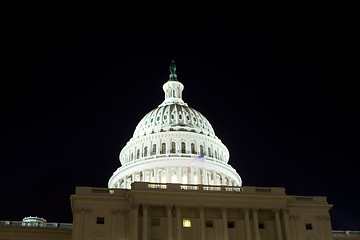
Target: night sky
(279, 91)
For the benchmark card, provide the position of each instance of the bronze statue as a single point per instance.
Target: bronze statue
(172, 71)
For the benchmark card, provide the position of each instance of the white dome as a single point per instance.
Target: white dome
(167, 140)
(173, 117)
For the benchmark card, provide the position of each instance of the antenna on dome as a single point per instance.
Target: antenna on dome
(172, 76)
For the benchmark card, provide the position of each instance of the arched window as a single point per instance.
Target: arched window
(153, 150)
(209, 152)
(183, 148)
(163, 148)
(145, 151)
(138, 154)
(201, 149)
(192, 148)
(173, 147)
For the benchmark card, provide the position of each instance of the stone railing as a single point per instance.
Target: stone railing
(307, 199)
(347, 234)
(181, 188)
(35, 224)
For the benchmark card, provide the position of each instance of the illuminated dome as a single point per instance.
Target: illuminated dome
(166, 143)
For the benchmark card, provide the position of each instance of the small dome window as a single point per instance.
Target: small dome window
(151, 120)
(180, 116)
(172, 116)
(194, 119)
(145, 122)
(158, 118)
(200, 121)
(188, 118)
(165, 117)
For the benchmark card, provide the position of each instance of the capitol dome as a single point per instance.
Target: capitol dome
(174, 143)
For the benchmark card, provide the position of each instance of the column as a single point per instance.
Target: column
(191, 181)
(216, 179)
(277, 223)
(293, 220)
(204, 177)
(156, 175)
(202, 223)
(113, 223)
(144, 231)
(225, 223)
(247, 223)
(256, 223)
(135, 221)
(169, 222)
(178, 223)
(285, 213)
(168, 175)
(179, 175)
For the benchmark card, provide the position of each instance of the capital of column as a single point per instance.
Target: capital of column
(144, 206)
(246, 210)
(168, 207)
(276, 210)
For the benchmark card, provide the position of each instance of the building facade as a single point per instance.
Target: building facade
(175, 183)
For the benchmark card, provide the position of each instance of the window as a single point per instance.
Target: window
(172, 116)
(158, 118)
(200, 121)
(151, 120)
(201, 149)
(209, 224)
(183, 148)
(163, 148)
(100, 220)
(145, 151)
(261, 225)
(187, 118)
(194, 119)
(186, 223)
(209, 152)
(154, 149)
(308, 226)
(138, 154)
(165, 117)
(173, 147)
(231, 224)
(155, 222)
(180, 116)
(193, 148)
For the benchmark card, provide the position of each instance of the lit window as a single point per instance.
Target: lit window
(100, 220)
(187, 223)
(308, 226)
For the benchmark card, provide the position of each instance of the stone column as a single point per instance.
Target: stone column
(202, 223)
(256, 223)
(204, 177)
(179, 175)
(113, 223)
(168, 175)
(285, 213)
(191, 181)
(156, 175)
(178, 223)
(135, 221)
(169, 222)
(247, 223)
(278, 224)
(225, 223)
(144, 230)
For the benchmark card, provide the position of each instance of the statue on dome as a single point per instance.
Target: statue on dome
(172, 69)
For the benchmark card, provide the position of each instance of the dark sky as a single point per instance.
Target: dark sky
(279, 91)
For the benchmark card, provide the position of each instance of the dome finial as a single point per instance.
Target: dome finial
(172, 76)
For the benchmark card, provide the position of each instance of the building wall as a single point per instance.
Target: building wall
(33, 233)
(145, 212)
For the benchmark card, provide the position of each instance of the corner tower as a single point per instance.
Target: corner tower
(166, 143)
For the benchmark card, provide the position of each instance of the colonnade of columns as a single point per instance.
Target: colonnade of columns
(184, 175)
(251, 234)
